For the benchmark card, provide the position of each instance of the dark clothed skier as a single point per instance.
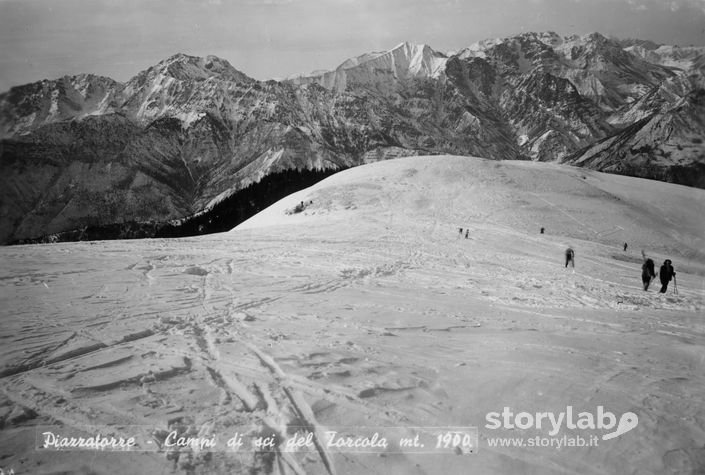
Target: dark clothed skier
(542, 230)
(625, 247)
(666, 274)
(648, 273)
(569, 257)
(466, 234)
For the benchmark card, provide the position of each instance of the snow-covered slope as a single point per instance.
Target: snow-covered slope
(506, 196)
(369, 309)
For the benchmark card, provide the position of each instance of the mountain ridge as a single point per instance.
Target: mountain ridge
(198, 130)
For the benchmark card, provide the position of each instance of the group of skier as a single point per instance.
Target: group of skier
(648, 269)
(648, 273)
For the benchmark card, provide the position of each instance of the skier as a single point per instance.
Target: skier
(625, 247)
(460, 230)
(569, 257)
(542, 230)
(648, 272)
(466, 233)
(666, 273)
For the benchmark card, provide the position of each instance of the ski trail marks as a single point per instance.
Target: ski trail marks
(299, 404)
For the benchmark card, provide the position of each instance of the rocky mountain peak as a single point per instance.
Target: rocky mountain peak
(181, 86)
(184, 67)
(29, 106)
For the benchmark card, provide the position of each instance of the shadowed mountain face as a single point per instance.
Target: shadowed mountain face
(189, 132)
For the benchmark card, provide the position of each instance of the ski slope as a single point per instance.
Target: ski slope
(369, 308)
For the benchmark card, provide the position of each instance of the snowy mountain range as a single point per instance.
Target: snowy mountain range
(190, 132)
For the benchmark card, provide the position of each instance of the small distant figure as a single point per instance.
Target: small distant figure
(466, 233)
(299, 208)
(460, 230)
(666, 273)
(648, 272)
(570, 257)
(542, 230)
(625, 247)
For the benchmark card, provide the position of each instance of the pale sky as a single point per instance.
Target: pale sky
(265, 39)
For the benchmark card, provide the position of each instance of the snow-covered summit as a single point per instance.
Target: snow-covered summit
(404, 61)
